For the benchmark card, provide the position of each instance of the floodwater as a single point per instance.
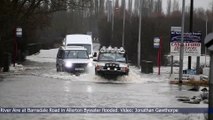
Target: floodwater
(37, 84)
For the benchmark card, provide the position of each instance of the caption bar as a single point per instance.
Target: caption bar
(71, 110)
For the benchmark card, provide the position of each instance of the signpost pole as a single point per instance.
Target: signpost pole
(172, 60)
(159, 56)
(14, 48)
(139, 35)
(159, 61)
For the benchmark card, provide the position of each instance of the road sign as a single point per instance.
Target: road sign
(209, 42)
(156, 42)
(18, 32)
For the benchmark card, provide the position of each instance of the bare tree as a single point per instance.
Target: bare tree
(101, 7)
(130, 6)
(169, 5)
(175, 6)
(136, 7)
(31, 15)
(158, 6)
(151, 6)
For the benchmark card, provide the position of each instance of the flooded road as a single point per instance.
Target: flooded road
(37, 84)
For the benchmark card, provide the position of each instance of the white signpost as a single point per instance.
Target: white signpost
(18, 34)
(158, 45)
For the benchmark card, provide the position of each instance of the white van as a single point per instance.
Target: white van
(72, 59)
(79, 40)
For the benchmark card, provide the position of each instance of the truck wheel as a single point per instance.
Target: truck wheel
(96, 73)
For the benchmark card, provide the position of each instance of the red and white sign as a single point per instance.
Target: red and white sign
(192, 42)
(190, 48)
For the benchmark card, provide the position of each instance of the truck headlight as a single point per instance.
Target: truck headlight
(68, 64)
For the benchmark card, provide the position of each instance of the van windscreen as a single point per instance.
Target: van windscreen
(76, 54)
(87, 46)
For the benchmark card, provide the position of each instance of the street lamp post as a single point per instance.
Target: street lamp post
(113, 19)
(124, 20)
(182, 44)
(139, 34)
(206, 35)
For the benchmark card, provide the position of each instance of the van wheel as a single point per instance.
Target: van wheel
(57, 68)
(62, 69)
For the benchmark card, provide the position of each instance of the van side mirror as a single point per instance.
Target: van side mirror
(95, 54)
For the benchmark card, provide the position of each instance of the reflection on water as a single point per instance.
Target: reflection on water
(180, 87)
(89, 89)
(67, 86)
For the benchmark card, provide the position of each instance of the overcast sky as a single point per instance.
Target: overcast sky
(197, 3)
